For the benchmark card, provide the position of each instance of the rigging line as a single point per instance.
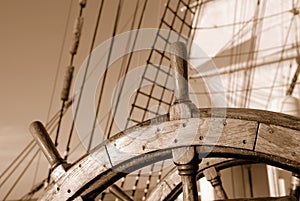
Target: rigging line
(93, 70)
(17, 165)
(148, 182)
(225, 71)
(294, 80)
(255, 45)
(157, 112)
(59, 60)
(282, 23)
(86, 136)
(17, 158)
(245, 53)
(161, 97)
(243, 178)
(160, 170)
(232, 173)
(281, 57)
(59, 123)
(287, 47)
(232, 77)
(238, 37)
(36, 188)
(244, 22)
(295, 77)
(28, 196)
(21, 175)
(160, 100)
(84, 79)
(30, 146)
(129, 59)
(198, 9)
(121, 30)
(242, 90)
(147, 106)
(69, 73)
(238, 97)
(50, 127)
(157, 72)
(105, 73)
(122, 72)
(36, 169)
(169, 70)
(137, 178)
(289, 74)
(140, 84)
(139, 172)
(296, 39)
(125, 24)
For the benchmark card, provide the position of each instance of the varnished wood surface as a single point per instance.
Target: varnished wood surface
(238, 132)
(262, 116)
(284, 140)
(171, 182)
(285, 198)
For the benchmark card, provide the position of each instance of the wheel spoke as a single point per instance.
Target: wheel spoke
(295, 186)
(213, 177)
(186, 161)
(119, 193)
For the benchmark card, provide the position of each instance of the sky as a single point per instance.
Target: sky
(31, 36)
(35, 37)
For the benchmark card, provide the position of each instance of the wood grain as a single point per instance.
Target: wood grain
(278, 140)
(235, 134)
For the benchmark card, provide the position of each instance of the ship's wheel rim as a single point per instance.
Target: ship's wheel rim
(107, 171)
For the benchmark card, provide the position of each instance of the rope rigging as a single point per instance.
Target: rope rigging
(151, 95)
(84, 80)
(150, 62)
(295, 77)
(256, 20)
(59, 60)
(105, 72)
(21, 157)
(20, 175)
(108, 129)
(251, 62)
(281, 58)
(70, 69)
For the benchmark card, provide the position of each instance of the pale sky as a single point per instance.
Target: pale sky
(31, 38)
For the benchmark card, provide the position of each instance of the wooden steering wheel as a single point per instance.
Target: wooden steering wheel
(253, 135)
(186, 134)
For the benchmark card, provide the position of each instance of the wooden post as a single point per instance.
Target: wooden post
(179, 65)
(295, 186)
(45, 143)
(212, 176)
(116, 191)
(41, 136)
(182, 108)
(185, 158)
